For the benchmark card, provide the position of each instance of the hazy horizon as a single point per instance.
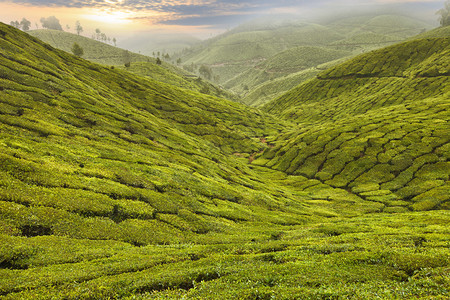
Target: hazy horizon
(199, 18)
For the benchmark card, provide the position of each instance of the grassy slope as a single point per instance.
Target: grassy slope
(405, 72)
(272, 89)
(93, 50)
(376, 125)
(285, 63)
(235, 52)
(102, 53)
(242, 48)
(99, 166)
(179, 79)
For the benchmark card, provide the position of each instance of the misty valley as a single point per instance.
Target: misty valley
(280, 159)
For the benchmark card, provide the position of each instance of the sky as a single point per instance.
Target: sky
(201, 18)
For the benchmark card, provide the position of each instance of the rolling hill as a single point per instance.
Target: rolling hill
(94, 51)
(150, 43)
(115, 185)
(376, 125)
(254, 54)
(237, 51)
(296, 60)
(105, 54)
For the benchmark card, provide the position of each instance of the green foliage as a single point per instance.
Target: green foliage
(444, 14)
(77, 50)
(95, 51)
(256, 54)
(51, 23)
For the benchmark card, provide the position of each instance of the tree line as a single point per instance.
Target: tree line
(444, 14)
(53, 23)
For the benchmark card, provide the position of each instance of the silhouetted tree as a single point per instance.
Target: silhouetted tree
(25, 24)
(51, 23)
(205, 71)
(179, 61)
(78, 27)
(114, 41)
(444, 14)
(15, 24)
(126, 57)
(77, 50)
(158, 61)
(98, 33)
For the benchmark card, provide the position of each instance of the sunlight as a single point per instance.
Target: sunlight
(116, 17)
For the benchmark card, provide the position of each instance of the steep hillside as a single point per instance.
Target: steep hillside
(102, 53)
(244, 47)
(94, 51)
(401, 73)
(285, 63)
(272, 89)
(116, 186)
(376, 125)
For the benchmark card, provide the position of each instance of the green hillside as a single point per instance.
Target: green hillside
(244, 47)
(180, 79)
(376, 125)
(105, 54)
(118, 186)
(94, 51)
(410, 71)
(285, 63)
(269, 90)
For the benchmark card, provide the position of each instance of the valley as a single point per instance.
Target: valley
(148, 182)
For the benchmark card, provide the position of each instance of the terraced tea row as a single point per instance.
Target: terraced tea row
(397, 155)
(389, 256)
(90, 152)
(402, 73)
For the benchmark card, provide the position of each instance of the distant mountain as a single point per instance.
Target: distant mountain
(151, 43)
(285, 63)
(238, 51)
(237, 58)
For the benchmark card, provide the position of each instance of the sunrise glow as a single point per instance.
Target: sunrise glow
(116, 17)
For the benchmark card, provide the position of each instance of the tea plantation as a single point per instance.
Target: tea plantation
(119, 186)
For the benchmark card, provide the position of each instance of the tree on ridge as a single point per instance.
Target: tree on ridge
(444, 13)
(77, 50)
(51, 23)
(78, 27)
(25, 24)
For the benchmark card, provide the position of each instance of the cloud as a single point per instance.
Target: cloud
(206, 12)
